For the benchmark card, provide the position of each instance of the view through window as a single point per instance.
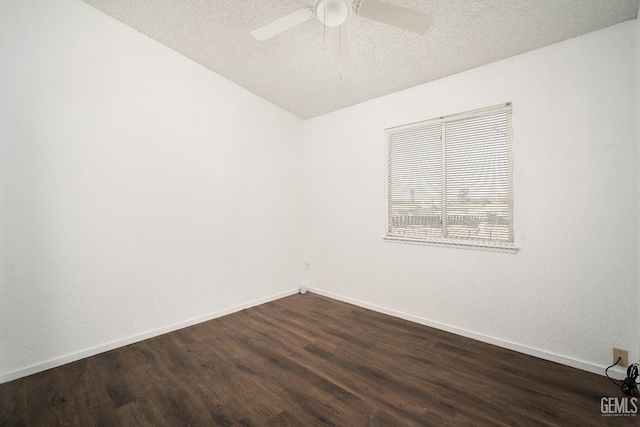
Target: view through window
(450, 180)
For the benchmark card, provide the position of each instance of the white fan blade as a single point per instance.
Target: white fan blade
(340, 41)
(283, 24)
(398, 16)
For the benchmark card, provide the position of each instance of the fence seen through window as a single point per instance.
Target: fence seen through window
(450, 179)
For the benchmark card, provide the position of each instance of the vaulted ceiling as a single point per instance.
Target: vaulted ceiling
(296, 70)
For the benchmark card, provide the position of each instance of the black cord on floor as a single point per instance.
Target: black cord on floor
(629, 386)
(606, 372)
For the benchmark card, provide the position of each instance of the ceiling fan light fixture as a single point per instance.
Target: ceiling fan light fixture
(332, 13)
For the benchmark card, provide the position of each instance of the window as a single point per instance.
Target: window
(449, 180)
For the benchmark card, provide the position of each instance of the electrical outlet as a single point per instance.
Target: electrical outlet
(623, 355)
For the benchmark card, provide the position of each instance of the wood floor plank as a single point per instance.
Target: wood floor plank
(309, 361)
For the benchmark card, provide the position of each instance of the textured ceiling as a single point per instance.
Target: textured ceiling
(295, 69)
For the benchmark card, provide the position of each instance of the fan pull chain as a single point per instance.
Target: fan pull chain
(324, 23)
(340, 62)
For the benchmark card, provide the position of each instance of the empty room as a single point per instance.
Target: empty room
(319, 212)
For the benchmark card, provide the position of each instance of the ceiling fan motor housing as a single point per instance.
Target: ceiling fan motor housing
(332, 13)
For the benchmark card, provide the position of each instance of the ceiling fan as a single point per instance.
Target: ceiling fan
(335, 13)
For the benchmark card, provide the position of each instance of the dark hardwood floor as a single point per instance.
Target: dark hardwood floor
(308, 361)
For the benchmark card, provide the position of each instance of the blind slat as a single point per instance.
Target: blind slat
(463, 161)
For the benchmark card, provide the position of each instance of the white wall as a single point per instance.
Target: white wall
(140, 192)
(570, 294)
(3, 222)
(637, 73)
(143, 192)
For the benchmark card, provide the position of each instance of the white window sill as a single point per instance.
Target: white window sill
(480, 246)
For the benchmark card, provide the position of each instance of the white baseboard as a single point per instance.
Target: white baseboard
(616, 372)
(63, 360)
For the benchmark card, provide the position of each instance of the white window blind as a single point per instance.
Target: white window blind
(450, 180)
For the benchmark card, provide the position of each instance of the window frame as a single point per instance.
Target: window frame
(460, 243)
